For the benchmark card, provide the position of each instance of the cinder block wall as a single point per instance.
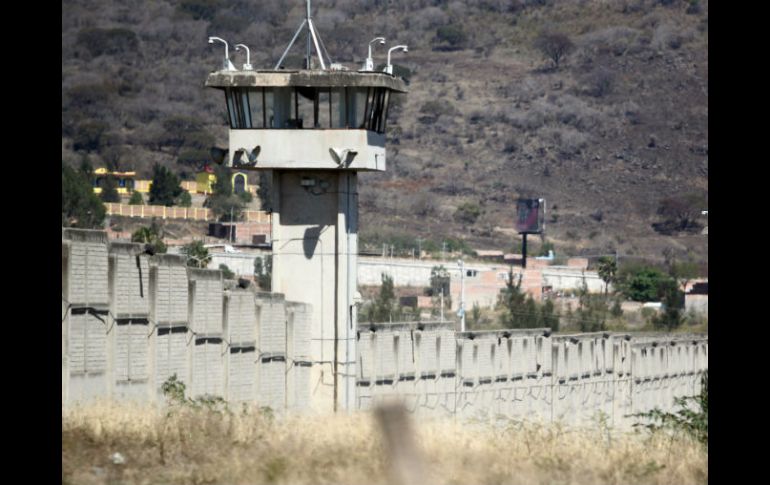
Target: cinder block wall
(526, 374)
(130, 321)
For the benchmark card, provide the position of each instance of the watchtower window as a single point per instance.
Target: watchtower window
(308, 107)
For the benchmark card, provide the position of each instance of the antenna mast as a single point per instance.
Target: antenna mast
(313, 40)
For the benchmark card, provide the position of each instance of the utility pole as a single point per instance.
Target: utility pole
(442, 303)
(462, 295)
(419, 248)
(443, 249)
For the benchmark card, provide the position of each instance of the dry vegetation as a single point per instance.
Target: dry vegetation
(618, 126)
(249, 447)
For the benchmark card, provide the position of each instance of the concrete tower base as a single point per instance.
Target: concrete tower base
(315, 247)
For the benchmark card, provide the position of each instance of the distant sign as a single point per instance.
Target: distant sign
(530, 216)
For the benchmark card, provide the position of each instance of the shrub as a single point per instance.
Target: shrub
(691, 417)
(151, 236)
(136, 199)
(450, 37)
(197, 254)
(467, 213)
(554, 45)
(226, 272)
(185, 199)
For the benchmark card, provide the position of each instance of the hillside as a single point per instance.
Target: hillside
(620, 125)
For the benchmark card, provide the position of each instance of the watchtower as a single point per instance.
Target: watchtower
(313, 130)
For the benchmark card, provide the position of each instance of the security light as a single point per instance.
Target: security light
(369, 64)
(389, 67)
(227, 65)
(247, 66)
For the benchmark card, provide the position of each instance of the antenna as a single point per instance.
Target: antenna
(312, 34)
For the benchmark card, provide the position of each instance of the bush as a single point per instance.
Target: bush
(185, 199)
(151, 236)
(641, 282)
(136, 199)
(226, 272)
(554, 45)
(467, 213)
(692, 417)
(197, 254)
(450, 37)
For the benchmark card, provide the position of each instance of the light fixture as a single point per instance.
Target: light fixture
(369, 63)
(247, 66)
(389, 67)
(226, 65)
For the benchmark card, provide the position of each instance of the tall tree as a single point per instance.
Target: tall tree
(165, 188)
(110, 190)
(80, 207)
(607, 270)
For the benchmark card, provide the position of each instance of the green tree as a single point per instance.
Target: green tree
(592, 310)
(263, 271)
(439, 284)
(151, 236)
(136, 198)
(226, 272)
(607, 270)
(522, 311)
(225, 205)
(80, 207)
(673, 304)
(384, 308)
(197, 254)
(640, 282)
(110, 190)
(165, 188)
(185, 199)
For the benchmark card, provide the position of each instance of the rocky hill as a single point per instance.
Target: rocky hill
(615, 129)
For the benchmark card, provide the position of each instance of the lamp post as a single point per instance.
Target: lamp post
(247, 66)
(369, 63)
(227, 65)
(389, 67)
(461, 312)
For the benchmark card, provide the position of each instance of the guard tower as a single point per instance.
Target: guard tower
(313, 129)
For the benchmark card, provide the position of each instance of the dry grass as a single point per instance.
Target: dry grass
(249, 447)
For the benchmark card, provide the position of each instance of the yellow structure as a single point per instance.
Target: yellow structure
(203, 183)
(125, 180)
(205, 180)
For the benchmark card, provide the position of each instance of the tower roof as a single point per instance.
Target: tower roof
(304, 78)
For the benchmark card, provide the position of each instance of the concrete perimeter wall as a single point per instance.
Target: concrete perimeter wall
(526, 374)
(131, 320)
